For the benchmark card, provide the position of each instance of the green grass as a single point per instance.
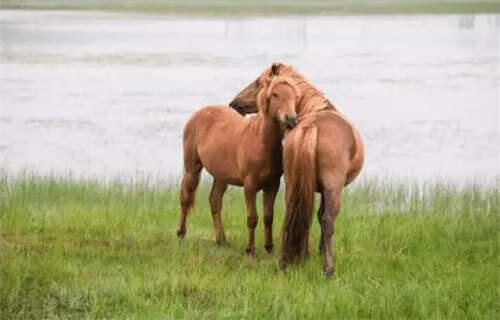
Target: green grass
(264, 6)
(87, 249)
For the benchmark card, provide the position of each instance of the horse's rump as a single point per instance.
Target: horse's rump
(338, 136)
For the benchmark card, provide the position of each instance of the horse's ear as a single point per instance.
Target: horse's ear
(265, 81)
(276, 68)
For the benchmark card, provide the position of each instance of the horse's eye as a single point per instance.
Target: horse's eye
(275, 95)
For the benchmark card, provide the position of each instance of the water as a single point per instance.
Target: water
(108, 94)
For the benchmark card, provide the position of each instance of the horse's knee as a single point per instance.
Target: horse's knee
(268, 220)
(252, 221)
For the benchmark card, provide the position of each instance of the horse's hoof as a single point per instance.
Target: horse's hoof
(269, 248)
(251, 253)
(282, 265)
(220, 242)
(329, 273)
(181, 233)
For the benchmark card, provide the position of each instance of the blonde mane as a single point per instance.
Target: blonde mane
(311, 99)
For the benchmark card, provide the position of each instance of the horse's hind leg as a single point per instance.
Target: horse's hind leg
(332, 208)
(269, 198)
(189, 184)
(216, 195)
(321, 210)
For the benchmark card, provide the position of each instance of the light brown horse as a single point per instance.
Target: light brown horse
(324, 153)
(239, 151)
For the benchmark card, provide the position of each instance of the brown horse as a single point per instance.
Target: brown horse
(324, 153)
(239, 151)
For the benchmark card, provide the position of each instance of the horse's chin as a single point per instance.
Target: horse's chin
(241, 112)
(286, 125)
(236, 107)
(243, 107)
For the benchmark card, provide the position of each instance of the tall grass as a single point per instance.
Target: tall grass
(87, 249)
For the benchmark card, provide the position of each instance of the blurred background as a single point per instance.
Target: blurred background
(97, 89)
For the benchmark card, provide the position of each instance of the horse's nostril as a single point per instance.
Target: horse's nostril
(291, 122)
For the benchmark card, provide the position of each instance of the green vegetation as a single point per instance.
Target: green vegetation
(264, 6)
(89, 250)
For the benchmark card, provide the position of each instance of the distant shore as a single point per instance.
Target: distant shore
(222, 7)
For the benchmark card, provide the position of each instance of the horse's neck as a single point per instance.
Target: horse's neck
(269, 131)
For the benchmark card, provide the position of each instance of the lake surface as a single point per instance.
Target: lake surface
(102, 94)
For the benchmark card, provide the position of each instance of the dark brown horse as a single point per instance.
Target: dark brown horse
(324, 153)
(239, 151)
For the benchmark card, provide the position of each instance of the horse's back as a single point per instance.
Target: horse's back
(213, 119)
(335, 133)
(209, 115)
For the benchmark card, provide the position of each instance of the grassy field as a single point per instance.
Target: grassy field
(92, 250)
(264, 6)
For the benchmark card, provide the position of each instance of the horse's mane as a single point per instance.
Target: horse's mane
(312, 99)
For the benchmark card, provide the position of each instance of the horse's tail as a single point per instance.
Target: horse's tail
(192, 171)
(192, 165)
(300, 176)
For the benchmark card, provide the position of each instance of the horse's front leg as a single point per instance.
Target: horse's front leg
(252, 218)
(269, 198)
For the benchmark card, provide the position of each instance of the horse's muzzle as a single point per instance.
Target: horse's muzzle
(290, 122)
(238, 108)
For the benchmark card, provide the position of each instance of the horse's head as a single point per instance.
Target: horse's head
(278, 99)
(245, 102)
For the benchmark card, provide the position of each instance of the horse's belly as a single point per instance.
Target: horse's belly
(223, 169)
(223, 176)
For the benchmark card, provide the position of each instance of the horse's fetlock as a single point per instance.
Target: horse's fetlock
(181, 233)
(269, 247)
(250, 252)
